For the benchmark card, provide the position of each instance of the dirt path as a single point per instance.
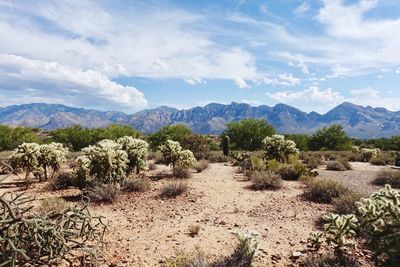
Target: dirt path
(145, 230)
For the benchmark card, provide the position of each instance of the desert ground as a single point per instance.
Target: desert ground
(145, 230)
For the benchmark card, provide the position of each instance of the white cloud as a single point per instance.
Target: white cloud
(282, 80)
(301, 9)
(310, 99)
(371, 97)
(241, 83)
(195, 81)
(42, 80)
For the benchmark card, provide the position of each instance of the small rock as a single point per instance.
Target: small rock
(296, 254)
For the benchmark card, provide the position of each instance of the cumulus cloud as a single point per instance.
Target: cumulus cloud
(284, 79)
(241, 83)
(372, 97)
(43, 80)
(194, 81)
(314, 99)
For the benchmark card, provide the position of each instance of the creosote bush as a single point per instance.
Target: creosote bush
(324, 191)
(388, 176)
(135, 184)
(265, 180)
(346, 203)
(173, 189)
(30, 238)
(106, 193)
(335, 166)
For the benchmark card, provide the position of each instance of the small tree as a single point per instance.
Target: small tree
(137, 150)
(198, 144)
(248, 134)
(276, 147)
(170, 132)
(106, 162)
(330, 138)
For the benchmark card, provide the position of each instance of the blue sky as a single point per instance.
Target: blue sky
(134, 55)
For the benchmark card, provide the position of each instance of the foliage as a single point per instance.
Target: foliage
(248, 134)
(137, 150)
(173, 189)
(176, 133)
(198, 144)
(276, 147)
(105, 161)
(324, 191)
(380, 224)
(29, 238)
(225, 143)
(388, 176)
(12, 137)
(76, 137)
(330, 138)
(301, 140)
(265, 180)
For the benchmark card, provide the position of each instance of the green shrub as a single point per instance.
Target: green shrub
(198, 144)
(107, 193)
(201, 165)
(330, 138)
(173, 189)
(335, 166)
(264, 180)
(324, 191)
(170, 132)
(12, 137)
(135, 184)
(388, 176)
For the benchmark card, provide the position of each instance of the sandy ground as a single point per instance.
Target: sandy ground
(358, 179)
(145, 230)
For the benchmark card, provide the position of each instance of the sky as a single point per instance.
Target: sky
(135, 55)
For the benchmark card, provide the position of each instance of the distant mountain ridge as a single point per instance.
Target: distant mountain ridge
(358, 121)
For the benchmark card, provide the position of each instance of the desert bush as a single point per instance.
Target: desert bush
(324, 191)
(107, 193)
(152, 166)
(29, 238)
(273, 165)
(173, 189)
(65, 180)
(176, 133)
(388, 176)
(135, 184)
(335, 166)
(345, 162)
(276, 147)
(52, 205)
(137, 150)
(346, 203)
(198, 144)
(12, 137)
(313, 163)
(194, 230)
(248, 134)
(330, 138)
(181, 172)
(217, 157)
(368, 153)
(265, 180)
(327, 260)
(106, 162)
(382, 159)
(201, 165)
(380, 225)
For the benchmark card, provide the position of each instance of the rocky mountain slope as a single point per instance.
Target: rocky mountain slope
(358, 121)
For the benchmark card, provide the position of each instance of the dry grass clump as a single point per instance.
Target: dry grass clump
(201, 165)
(388, 176)
(135, 184)
(345, 162)
(52, 205)
(217, 157)
(65, 180)
(107, 193)
(181, 172)
(335, 166)
(382, 159)
(346, 203)
(289, 172)
(324, 191)
(265, 180)
(173, 189)
(324, 260)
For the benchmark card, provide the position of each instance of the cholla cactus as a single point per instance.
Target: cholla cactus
(278, 148)
(186, 159)
(106, 162)
(248, 243)
(316, 240)
(26, 157)
(137, 150)
(380, 222)
(52, 156)
(368, 153)
(340, 231)
(355, 149)
(171, 151)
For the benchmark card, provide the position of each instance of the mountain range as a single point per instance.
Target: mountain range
(358, 121)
